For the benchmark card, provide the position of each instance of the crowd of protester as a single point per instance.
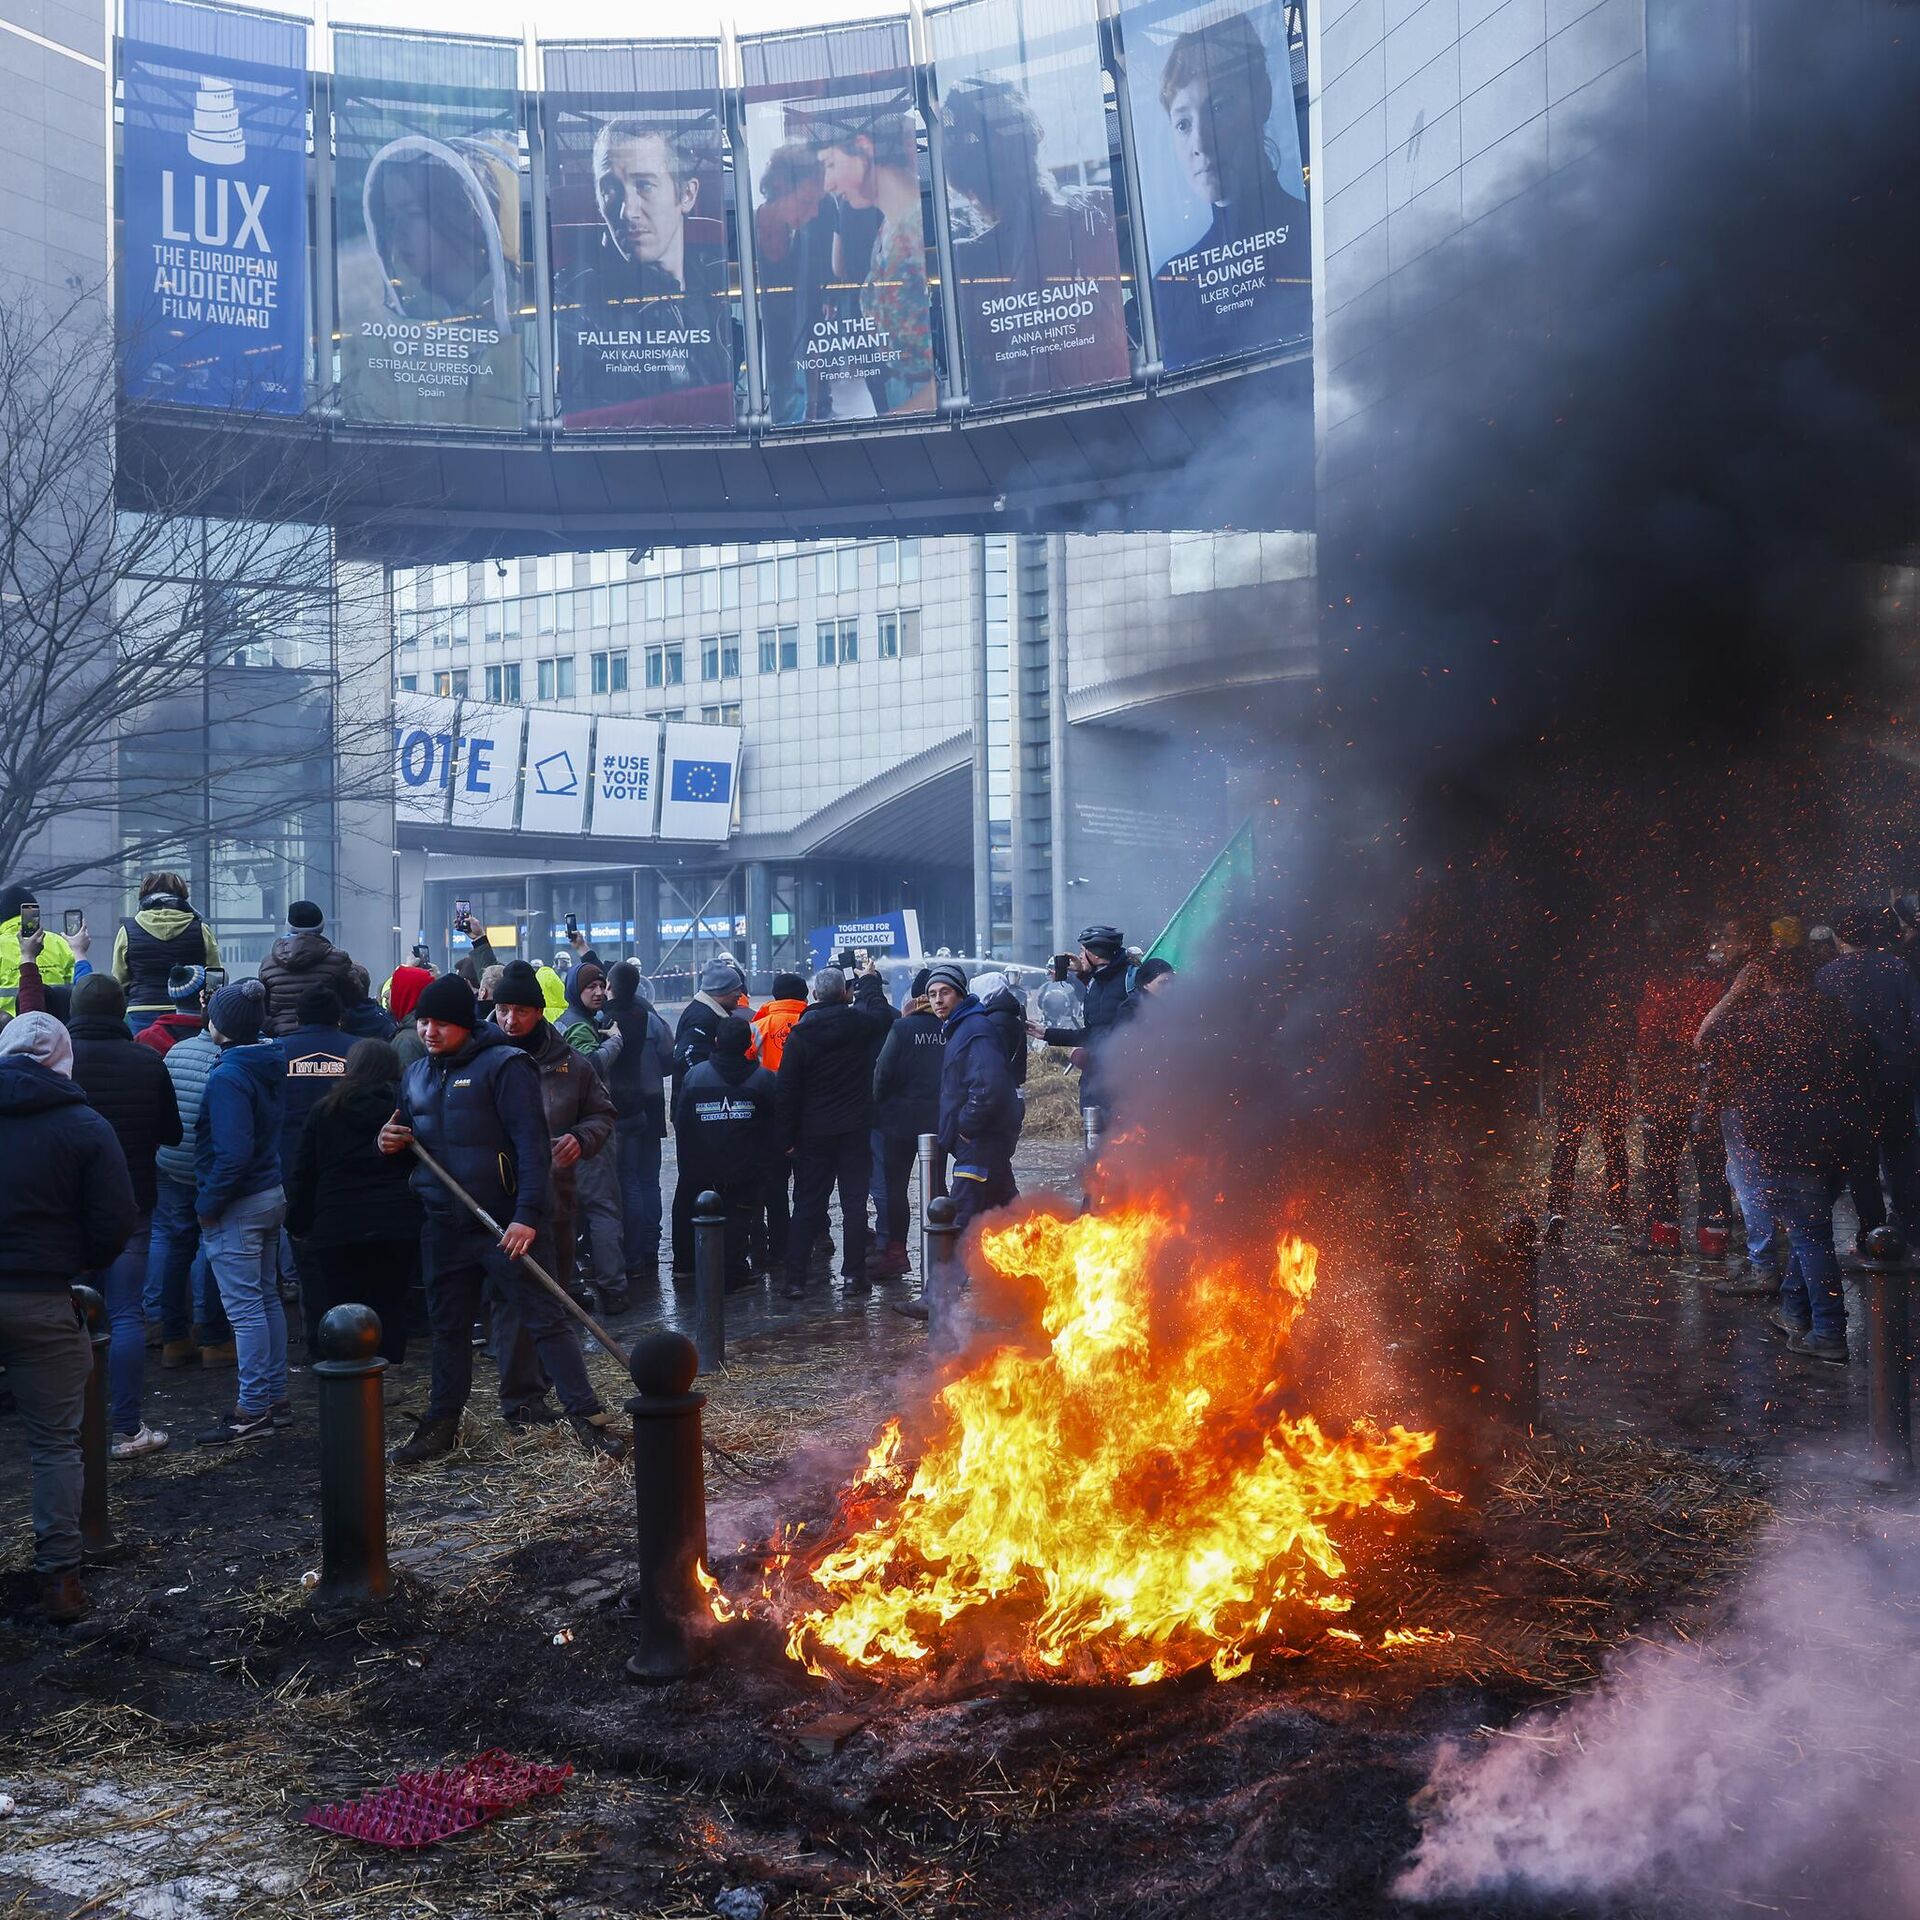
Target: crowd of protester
(1781, 1064)
(214, 1156)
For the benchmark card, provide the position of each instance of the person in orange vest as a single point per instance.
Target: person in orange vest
(771, 1025)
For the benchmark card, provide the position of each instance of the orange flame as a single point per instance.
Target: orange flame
(1125, 1496)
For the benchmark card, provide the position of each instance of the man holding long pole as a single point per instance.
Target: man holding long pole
(473, 1101)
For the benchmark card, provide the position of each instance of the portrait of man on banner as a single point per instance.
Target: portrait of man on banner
(642, 300)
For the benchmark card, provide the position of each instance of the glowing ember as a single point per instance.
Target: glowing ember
(1124, 1496)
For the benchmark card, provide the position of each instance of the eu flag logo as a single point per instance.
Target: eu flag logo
(705, 781)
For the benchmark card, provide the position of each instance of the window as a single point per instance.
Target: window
(720, 657)
(609, 672)
(769, 650)
(462, 625)
(600, 607)
(709, 591)
(768, 578)
(886, 560)
(779, 649)
(789, 649)
(666, 666)
(726, 715)
(729, 656)
(827, 643)
(599, 567)
(653, 600)
(823, 571)
(512, 612)
(491, 614)
(544, 679)
(909, 563)
(849, 641)
(544, 572)
(676, 589)
(909, 633)
(730, 590)
(848, 559)
(789, 576)
(569, 605)
(710, 659)
(451, 686)
(503, 684)
(889, 647)
(409, 682)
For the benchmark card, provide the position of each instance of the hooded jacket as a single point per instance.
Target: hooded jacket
(236, 1136)
(640, 1067)
(165, 933)
(367, 1020)
(295, 962)
(726, 1124)
(68, 1206)
(56, 957)
(405, 985)
(129, 1088)
(906, 1077)
(700, 1020)
(771, 1025)
(314, 1060)
(478, 1111)
(825, 1083)
(188, 1062)
(979, 1111)
(576, 1102)
(343, 1191)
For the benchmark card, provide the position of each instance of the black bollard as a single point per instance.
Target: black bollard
(670, 1505)
(96, 1524)
(1886, 1279)
(710, 1281)
(940, 1276)
(353, 1457)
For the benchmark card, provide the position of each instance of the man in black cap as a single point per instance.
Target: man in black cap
(315, 1053)
(979, 1123)
(824, 1094)
(474, 1101)
(1109, 979)
(722, 988)
(302, 957)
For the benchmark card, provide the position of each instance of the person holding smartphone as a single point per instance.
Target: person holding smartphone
(20, 914)
(166, 932)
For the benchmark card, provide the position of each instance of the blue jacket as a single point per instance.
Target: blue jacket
(188, 1062)
(979, 1111)
(1883, 996)
(66, 1205)
(479, 1112)
(314, 1059)
(236, 1136)
(368, 1020)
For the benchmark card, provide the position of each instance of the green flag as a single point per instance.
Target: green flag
(1225, 885)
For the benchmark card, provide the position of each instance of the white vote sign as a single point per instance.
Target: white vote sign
(626, 777)
(486, 765)
(553, 797)
(701, 771)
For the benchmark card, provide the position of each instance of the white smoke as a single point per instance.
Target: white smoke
(1776, 1764)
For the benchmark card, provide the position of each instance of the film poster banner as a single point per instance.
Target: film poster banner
(839, 227)
(625, 777)
(637, 222)
(427, 197)
(1036, 262)
(214, 258)
(1223, 197)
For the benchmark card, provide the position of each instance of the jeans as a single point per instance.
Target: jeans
(243, 1248)
(532, 1335)
(1749, 1190)
(637, 1150)
(124, 1285)
(1803, 1203)
(48, 1361)
(897, 1155)
(843, 1160)
(180, 1290)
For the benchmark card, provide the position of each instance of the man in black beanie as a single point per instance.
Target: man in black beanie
(315, 1053)
(474, 1100)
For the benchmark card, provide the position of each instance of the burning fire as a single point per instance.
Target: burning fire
(1126, 1494)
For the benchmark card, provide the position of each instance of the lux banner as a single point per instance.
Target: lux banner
(427, 199)
(214, 255)
(839, 234)
(636, 209)
(1036, 262)
(1223, 200)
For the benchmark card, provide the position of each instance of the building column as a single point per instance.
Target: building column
(759, 953)
(646, 920)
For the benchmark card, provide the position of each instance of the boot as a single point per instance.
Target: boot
(179, 1353)
(431, 1440)
(892, 1262)
(594, 1433)
(614, 1297)
(63, 1599)
(222, 1353)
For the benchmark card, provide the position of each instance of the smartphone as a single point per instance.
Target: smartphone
(460, 910)
(72, 920)
(29, 917)
(573, 925)
(216, 979)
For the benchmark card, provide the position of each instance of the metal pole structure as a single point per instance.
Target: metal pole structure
(96, 1524)
(527, 1260)
(1889, 1357)
(670, 1505)
(940, 1276)
(740, 180)
(933, 1171)
(954, 400)
(1114, 48)
(710, 1281)
(353, 1459)
(546, 398)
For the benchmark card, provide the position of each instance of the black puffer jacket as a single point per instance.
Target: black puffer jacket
(130, 1088)
(343, 1190)
(295, 962)
(66, 1205)
(906, 1079)
(825, 1084)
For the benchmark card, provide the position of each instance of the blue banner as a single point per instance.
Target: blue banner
(214, 252)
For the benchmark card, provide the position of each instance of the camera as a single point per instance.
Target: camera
(844, 960)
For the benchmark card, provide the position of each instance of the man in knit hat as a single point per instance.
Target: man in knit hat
(979, 1118)
(187, 1015)
(474, 1101)
(722, 988)
(302, 957)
